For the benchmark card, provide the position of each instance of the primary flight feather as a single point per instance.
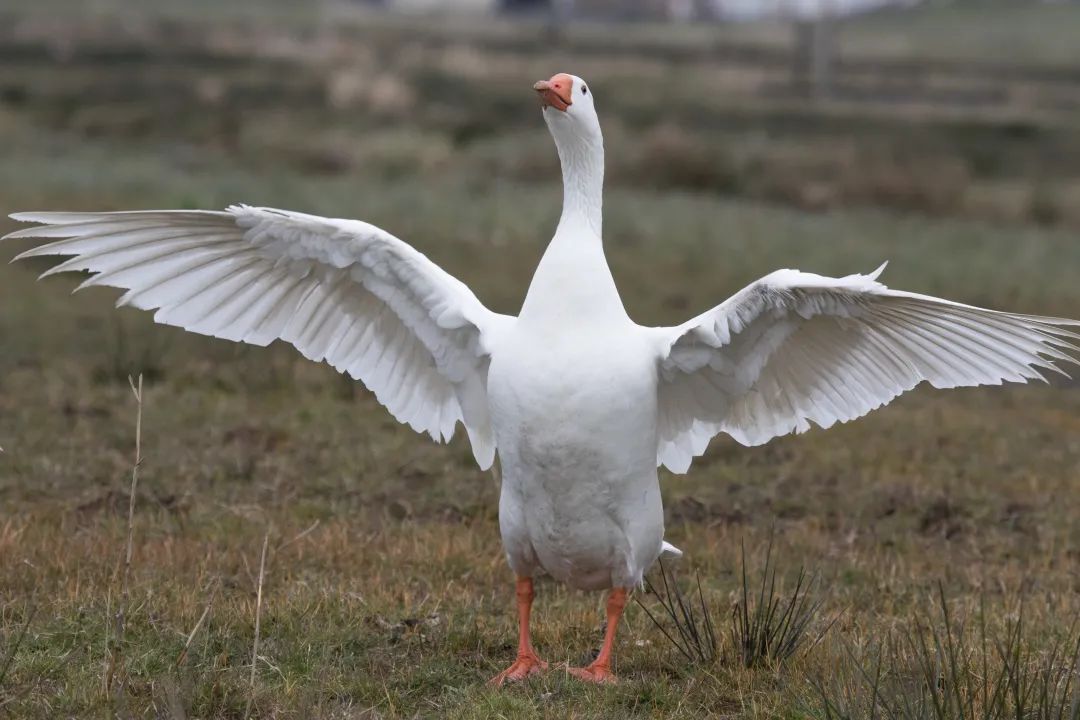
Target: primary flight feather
(581, 403)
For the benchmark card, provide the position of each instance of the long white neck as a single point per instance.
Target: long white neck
(582, 160)
(573, 286)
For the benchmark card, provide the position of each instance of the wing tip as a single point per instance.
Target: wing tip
(32, 252)
(26, 216)
(26, 232)
(50, 217)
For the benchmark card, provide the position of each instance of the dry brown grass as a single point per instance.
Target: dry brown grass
(407, 617)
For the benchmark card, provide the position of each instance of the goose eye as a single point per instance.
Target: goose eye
(584, 90)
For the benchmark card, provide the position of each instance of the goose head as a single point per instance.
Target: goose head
(567, 103)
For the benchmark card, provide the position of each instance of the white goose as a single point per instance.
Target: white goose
(581, 403)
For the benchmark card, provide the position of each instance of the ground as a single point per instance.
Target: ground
(384, 591)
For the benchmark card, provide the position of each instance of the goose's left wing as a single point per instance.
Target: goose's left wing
(795, 348)
(342, 291)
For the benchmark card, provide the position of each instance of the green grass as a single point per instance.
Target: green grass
(397, 601)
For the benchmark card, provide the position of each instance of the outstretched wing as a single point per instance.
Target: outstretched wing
(795, 348)
(342, 291)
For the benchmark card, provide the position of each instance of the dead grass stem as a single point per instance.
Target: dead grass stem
(258, 624)
(115, 674)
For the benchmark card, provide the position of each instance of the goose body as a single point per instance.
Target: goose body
(580, 403)
(580, 497)
(574, 412)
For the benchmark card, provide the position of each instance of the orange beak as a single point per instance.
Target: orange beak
(556, 92)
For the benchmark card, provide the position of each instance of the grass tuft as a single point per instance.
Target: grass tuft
(686, 620)
(772, 629)
(764, 632)
(943, 669)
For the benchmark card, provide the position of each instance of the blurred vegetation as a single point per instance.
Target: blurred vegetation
(935, 152)
(710, 110)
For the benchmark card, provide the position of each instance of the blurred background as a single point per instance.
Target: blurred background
(741, 135)
(957, 109)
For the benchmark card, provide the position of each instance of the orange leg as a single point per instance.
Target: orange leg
(599, 670)
(527, 663)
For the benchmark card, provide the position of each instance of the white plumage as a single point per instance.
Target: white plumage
(342, 291)
(796, 348)
(581, 403)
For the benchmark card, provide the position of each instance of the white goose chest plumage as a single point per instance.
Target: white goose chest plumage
(576, 428)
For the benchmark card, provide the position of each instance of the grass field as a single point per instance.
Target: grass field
(384, 592)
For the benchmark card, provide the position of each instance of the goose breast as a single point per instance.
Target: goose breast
(576, 419)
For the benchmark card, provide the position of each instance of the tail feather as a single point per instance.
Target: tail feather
(667, 547)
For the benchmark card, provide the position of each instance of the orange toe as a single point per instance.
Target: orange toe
(523, 667)
(599, 674)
